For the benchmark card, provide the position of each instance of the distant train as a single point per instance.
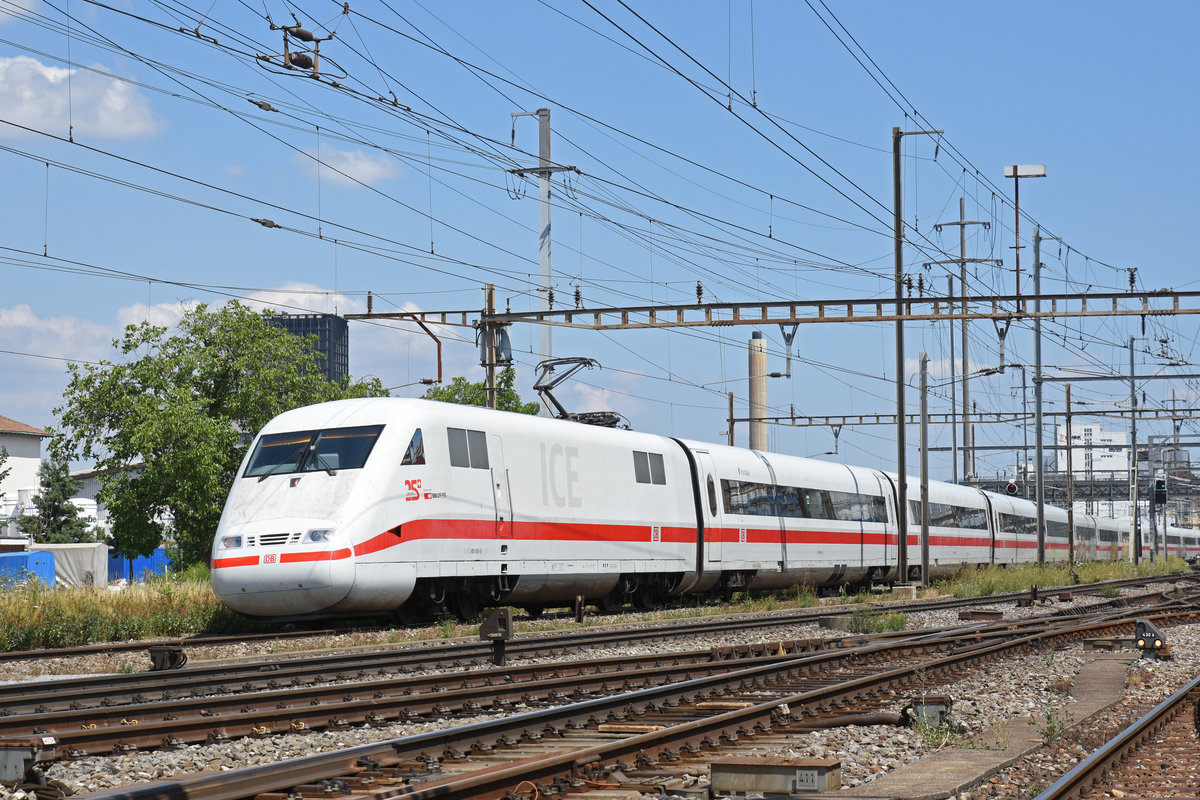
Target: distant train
(414, 507)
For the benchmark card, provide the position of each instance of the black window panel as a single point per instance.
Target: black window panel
(852, 507)
(641, 466)
(342, 448)
(459, 455)
(816, 504)
(415, 454)
(767, 500)
(477, 443)
(712, 496)
(1014, 523)
(789, 502)
(312, 451)
(658, 471)
(279, 453)
(973, 518)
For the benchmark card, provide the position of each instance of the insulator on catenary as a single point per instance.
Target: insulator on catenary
(300, 33)
(300, 60)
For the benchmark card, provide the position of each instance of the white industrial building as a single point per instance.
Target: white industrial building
(1096, 453)
(24, 445)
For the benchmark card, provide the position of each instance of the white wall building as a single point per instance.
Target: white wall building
(1096, 453)
(24, 445)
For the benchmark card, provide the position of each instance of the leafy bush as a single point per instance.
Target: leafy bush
(864, 620)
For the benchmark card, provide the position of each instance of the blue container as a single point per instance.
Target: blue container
(18, 567)
(153, 565)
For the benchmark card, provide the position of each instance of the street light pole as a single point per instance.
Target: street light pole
(901, 468)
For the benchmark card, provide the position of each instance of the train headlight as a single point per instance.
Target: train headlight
(231, 542)
(319, 535)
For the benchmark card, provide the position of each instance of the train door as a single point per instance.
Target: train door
(501, 490)
(891, 527)
(993, 528)
(710, 501)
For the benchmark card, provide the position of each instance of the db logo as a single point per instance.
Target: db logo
(269, 558)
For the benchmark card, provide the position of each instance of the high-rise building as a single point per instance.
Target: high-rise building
(1097, 453)
(333, 339)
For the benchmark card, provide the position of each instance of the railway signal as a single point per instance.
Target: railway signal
(1149, 639)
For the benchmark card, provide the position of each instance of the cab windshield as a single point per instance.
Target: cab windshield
(327, 450)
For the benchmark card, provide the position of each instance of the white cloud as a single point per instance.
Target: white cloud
(164, 315)
(40, 96)
(54, 337)
(15, 9)
(34, 359)
(346, 167)
(304, 298)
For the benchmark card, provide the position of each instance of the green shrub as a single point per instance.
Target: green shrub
(35, 616)
(981, 582)
(864, 620)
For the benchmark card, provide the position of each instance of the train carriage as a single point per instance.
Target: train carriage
(960, 527)
(414, 507)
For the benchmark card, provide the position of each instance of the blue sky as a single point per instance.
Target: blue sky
(742, 145)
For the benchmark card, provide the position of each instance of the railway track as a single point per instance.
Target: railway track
(363, 664)
(122, 723)
(669, 724)
(192, 643)
(1158, 756)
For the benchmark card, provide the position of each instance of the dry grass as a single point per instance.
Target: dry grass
(34, 616)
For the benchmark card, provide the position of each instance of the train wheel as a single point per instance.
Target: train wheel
(646, 599)
(410, 614)
(463, 605)
(609, 603)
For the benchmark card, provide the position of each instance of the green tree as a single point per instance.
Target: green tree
(168, 422)
(57, 520)
(464, 392)
(3, 471)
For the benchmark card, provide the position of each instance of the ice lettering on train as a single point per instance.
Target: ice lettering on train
(559, 476)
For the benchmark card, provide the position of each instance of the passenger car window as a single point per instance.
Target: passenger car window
(467, 448)
(459, 455)
(649, 468)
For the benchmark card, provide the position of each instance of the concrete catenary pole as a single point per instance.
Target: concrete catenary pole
(901, 446)
(1070, 486)
(924, 469)
(758, 391)
(1039, 467)
(544, 172)
(1135, 528)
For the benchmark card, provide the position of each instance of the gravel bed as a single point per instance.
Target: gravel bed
(1148, 682)
(866, 752)
(124, 662)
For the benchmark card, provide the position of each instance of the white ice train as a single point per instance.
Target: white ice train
(411, 506)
